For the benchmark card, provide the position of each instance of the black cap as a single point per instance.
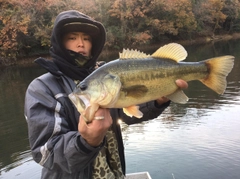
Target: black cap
(87, 28)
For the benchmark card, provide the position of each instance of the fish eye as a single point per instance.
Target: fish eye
(82, 86)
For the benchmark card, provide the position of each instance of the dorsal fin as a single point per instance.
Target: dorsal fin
(171, 51)
(126, 54)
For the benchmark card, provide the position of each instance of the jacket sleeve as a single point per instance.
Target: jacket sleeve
(53, 143)
(150, 110)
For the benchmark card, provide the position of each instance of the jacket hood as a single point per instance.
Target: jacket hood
(73, 20)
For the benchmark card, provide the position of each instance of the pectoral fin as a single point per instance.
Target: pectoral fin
(136, 91)
(178, 97)
(133, 111)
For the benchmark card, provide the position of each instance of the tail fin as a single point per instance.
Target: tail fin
(219, 68)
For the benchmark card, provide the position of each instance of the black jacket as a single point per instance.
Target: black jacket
(53, 122)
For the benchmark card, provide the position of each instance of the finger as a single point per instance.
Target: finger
(82, 125)
(99, 117)
(104, 114)
(162, 100)
(181, 83)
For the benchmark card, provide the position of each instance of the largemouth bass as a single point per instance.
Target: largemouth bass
(137, 78)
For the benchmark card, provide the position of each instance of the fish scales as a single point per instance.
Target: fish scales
(136, 78)
(157, 75)
(154, 69)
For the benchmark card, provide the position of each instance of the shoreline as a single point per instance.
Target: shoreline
(28, 60)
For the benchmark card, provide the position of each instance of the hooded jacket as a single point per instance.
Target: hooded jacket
(61, 56)
(52, 119)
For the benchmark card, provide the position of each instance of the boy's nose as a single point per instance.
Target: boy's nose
(80, 43)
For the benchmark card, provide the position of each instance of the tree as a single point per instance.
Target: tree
(231, 10)
(26, 25)
(13, 24)
(210, 16)
(128, 22)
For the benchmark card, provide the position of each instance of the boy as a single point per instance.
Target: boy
(60, 140)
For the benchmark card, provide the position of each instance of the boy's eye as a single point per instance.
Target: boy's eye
(72, 38)
(87, 38)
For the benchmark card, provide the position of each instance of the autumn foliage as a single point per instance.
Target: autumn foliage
(25, 25)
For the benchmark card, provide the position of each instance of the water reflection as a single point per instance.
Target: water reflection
(195, 140)
(188, 146)
(13, 128)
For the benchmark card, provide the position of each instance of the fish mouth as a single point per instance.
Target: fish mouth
(80, 101)
(84, 101)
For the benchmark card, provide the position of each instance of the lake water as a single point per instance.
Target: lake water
(198, 140)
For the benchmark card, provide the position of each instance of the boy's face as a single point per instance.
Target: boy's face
(78, 42)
